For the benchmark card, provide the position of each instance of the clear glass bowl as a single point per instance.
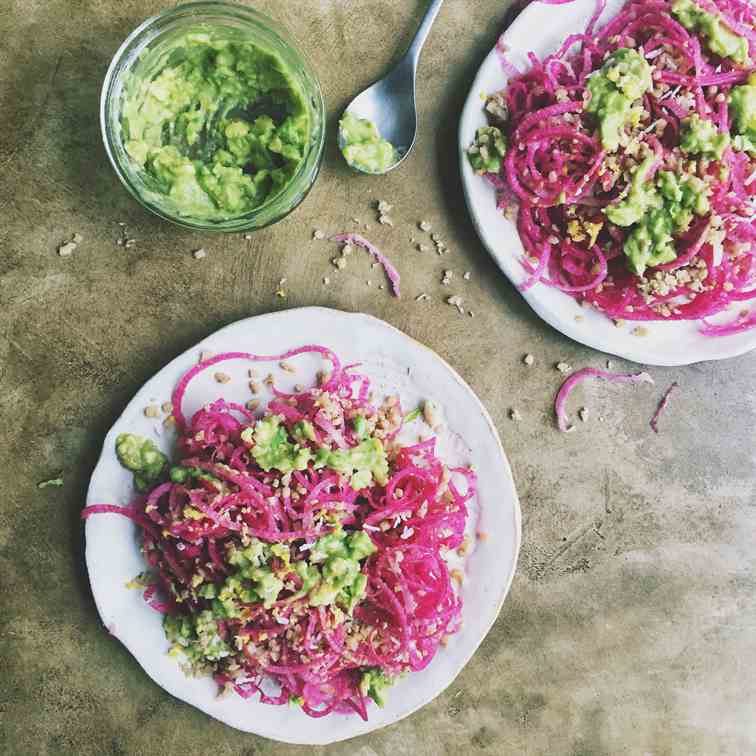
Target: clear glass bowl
(240, 22)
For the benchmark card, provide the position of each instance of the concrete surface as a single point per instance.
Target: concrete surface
(631, 624)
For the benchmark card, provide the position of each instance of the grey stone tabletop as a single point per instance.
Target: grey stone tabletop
(631, 623)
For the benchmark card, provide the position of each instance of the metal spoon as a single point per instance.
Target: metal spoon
(390, 103)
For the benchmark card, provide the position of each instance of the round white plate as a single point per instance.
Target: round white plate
(541, 28)
(395, 363)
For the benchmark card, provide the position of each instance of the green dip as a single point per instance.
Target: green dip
(363, 147)
(655, 211)
(615, 89)
(488, 150)
(743, 112)
(216, 124)
(719, 39)
(700, 136)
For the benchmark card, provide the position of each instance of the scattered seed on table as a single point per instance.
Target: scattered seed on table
(563, 367)
(528, 359)
(222, 377)
(456, 301)
(152, 410)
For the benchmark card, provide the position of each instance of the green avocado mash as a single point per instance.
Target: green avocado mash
(488, 150)
(180, 474)
(272, 449)
(215, 123)
(363, 147)
(142, 457)
(330, 574)
(743, 113)
(655, 211)
(198, 636)
(719, 39)
(364, 463)
(700, 136)
(373, 683)
(623, 79)
(640, 197)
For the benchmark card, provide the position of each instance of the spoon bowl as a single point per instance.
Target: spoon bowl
(391, 102)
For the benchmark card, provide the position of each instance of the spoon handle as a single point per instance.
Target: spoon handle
(413, 54)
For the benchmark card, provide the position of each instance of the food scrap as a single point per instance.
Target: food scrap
(581, 375)
(360, 241)
(51, 483)
(662, 406)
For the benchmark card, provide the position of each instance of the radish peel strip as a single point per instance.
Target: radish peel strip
(581, 375)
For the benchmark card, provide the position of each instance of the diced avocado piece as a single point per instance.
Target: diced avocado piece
(364, 463)
(720, 39)
(374, 683)
(701, 136)
(271, 448)
(743, 113)
(142, 457)
(623, 79)
(488, 150)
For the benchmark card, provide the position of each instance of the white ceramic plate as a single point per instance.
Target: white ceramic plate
(395, 363)
(542, 28)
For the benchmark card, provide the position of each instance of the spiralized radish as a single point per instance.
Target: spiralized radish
(560, 180)
(315, 655)
(567, 387)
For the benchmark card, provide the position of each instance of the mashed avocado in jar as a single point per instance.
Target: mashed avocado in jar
(215, 124)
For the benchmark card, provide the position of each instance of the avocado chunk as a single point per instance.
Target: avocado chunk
(701, 136)
(719, 38)
(623, 79)
(488, 150)
(142, 457)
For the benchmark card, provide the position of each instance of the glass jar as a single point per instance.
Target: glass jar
(139, 59)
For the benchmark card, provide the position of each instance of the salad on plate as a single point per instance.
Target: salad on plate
(305, 554)
(627, 160)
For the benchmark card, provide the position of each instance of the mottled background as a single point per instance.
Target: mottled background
(630, 625)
